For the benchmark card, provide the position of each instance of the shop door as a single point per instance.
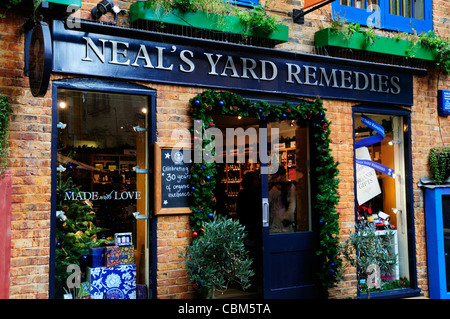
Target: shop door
(289, 242)
(102, 192)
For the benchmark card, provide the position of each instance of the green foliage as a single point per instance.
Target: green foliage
(9, 4)
(75, 229)
(439, 46)
(364, 248)
(403, 282)
(213, 6)
(439, 162)
(350, 29)
(218, 257)
(257, 20)
(431, 39)
(5, 111)
(326, 172)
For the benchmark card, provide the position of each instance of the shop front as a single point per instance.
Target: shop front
(121, 99)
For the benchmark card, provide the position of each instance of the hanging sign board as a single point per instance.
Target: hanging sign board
(230, 66)
(172, 176)
(40, 59)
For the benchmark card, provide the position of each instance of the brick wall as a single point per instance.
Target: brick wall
(173, 231)
(29, 163)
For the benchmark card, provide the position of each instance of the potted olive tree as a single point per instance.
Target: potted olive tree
(370, 252)
(218, 257)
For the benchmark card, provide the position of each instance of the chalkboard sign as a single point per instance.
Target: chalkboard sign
(172, 175)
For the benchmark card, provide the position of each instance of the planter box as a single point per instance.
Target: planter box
(333, 38)
(5, 234)
(202, 20)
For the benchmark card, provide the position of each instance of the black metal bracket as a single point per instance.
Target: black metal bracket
(299, 15)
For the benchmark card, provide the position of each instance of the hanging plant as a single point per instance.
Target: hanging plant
(326, 182)
(5, 111)
(439, 162)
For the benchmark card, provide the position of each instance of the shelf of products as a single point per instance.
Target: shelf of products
(107, 166)
(232, 176)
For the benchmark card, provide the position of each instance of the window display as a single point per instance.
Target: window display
(100, 192)
(380, 187)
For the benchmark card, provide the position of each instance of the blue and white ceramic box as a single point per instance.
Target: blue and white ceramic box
(118, 281)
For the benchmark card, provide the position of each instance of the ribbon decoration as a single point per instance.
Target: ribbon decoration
(372, 140)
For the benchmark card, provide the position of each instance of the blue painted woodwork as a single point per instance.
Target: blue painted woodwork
(289, 265)
(383, 18)
(437, 202)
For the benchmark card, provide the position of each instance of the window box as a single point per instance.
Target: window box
(59, 8)
(140, 14)
(333, 38)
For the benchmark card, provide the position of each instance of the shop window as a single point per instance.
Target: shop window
(381, 190)
(102, 193)
(397, 15)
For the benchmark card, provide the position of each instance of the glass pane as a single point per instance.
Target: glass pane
(394, 7)
(380, 195)
(289, 184)
(406, 6)
(446, 224)
(373, 5)
(101, 144)
(346, 2)
(361, 4)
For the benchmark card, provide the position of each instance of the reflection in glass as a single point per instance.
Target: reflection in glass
(407, 8)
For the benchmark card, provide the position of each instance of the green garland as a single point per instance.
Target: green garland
(326, 182)
(5, 111)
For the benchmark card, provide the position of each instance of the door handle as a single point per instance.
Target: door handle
(139, 217)
(265, 205)
(139, 170)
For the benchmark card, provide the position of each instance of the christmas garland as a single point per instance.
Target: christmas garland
(203, 174)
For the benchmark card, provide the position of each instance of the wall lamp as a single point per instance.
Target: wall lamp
(394, 142)
(299, 15)
(103, 7)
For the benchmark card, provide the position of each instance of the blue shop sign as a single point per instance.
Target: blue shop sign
(238, 67)
(444, 102)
